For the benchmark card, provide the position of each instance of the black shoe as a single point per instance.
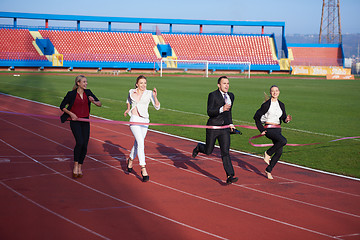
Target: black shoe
(196, 151)
(231, 180)
(129, 169)
(145, 178)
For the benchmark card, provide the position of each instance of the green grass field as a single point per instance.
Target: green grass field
(322, 110)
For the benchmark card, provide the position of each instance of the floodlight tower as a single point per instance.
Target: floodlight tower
(330, 21)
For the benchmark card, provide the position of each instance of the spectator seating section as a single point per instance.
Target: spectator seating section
(316, 56)
(254, 49)
(16, 44)
(103, 46)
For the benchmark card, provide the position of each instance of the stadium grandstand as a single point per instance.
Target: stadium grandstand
(316, 54)
(66, 48)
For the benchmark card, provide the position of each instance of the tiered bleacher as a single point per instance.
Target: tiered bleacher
(234, 48)
(134, 47)
(103, 46)
(316, 56)
(16, 44)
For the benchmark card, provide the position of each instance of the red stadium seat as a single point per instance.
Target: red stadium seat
(17, 43)
(117, 46)
(316, 56)
(99, 45)
(220, 47)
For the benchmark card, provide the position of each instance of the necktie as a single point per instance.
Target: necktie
(225, 97)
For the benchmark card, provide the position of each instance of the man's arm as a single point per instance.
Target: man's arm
(212, 106)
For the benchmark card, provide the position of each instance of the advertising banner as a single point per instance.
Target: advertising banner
(320, 71)
(341, 77)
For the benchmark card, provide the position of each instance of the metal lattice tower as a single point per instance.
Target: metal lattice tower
(330, 27)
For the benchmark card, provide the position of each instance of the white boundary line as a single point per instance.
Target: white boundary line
(312, 185)
(168, 134)
(100, 192)
(180, 111)
(256, 156)
(256, 190)
(245, 122)
(349, 235)
(52, 212)
(193, 195)
(292, 180)
(308, 184)
(243, 186)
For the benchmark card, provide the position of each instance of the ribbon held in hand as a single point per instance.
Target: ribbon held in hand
(294, 144)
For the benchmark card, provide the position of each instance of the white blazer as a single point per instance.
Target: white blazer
(143, 104)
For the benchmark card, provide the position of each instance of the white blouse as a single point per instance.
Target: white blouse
(273, 114)
(142, 104)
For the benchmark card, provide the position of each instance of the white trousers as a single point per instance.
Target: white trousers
(139, 132)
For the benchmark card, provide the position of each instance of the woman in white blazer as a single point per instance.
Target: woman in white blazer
(137, 107)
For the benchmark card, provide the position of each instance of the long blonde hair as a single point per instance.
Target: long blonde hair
(266, 97)
(78, 79)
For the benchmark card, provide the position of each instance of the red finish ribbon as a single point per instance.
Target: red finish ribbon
(178, 125)
(125, 122)
(294, 144)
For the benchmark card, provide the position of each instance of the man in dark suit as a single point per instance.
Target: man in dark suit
(219, 107)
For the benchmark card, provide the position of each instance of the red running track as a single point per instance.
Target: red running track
(184, 199)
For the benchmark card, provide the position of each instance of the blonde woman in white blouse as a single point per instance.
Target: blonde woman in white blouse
(137, 107)
(272, 113)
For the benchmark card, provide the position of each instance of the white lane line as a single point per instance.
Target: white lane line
(105, 194)
(39, 205)
(52, 212)
(198, 114)
(190, 194)
(168, 134)
(243, 186)
(249, 188)
(177, 190)
(46, 174)
(245, 122)
(256, 156)
(248, 154)
(5, 160)
(62, 159)
(236, 166)
(349, 235)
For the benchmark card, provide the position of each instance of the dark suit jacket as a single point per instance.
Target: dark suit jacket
(69, 100)
(264, 109)
(215, 102)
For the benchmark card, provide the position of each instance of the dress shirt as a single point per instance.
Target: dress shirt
(227, 101)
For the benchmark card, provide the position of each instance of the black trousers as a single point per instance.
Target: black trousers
(81, 132)
(223, 136)
(279, 142)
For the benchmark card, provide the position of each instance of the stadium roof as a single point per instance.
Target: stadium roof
(139, 20)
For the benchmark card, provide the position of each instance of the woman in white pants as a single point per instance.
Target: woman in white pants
(137, 107)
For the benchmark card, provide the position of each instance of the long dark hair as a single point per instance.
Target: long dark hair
(138, 79)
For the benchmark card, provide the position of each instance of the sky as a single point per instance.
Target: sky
(300, 16)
